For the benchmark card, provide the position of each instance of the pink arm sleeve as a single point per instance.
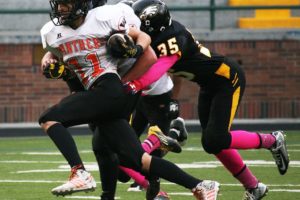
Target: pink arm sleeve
(162, 65)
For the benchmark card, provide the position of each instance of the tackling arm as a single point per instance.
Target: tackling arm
(153, 74)
(147, 58)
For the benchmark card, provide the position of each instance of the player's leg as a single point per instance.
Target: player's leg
(67, 146)
(139, 122)
(156, 109)
(120, 136)
(108, 164)
(98, 104)
(216, 111)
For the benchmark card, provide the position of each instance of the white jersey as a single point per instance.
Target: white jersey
(161, 86)
(84, 49)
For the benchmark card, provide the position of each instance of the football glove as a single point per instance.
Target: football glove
(122, 46)
(132, 87)
(54, 70)
(173, 111)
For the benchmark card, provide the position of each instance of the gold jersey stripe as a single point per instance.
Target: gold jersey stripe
(234, 105)
(224, 70)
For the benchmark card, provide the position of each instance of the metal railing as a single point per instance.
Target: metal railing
(212, 8)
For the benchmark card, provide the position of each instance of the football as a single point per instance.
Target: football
(115, 44)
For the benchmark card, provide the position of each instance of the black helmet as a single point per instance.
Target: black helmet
(154, 15)
(79, 8)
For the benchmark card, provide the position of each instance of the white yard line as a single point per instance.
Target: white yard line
(91, 166)
(38, 161)
(54, 153)
(174, 194)
(85, 197)
(163, 183)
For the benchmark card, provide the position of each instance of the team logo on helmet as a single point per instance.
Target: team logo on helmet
(149, 12)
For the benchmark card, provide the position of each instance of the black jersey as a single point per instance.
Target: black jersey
(196, 62)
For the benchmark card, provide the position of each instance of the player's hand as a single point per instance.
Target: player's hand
(131, 50)
(122, 46)
(173, 111)
(55, 70)
(132, 87)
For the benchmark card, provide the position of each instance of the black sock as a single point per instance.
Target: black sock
(65, 143)
(171, 172)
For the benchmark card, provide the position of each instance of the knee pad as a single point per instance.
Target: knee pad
(214, 142)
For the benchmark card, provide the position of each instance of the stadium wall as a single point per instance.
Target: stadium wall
(272, 69)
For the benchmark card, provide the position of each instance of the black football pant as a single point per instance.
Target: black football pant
(106, 106)
(153, 110)
(217, 105)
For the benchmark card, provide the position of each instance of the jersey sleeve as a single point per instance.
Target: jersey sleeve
(45, 34)
(44, 31)
(124, 18)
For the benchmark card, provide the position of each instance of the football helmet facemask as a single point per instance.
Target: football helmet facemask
(77, 8)
(154, 15)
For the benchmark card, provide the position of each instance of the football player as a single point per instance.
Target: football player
(78, 38)
(155, 107)
(106, 158)
(222, 83)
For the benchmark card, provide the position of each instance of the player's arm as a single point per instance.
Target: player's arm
(161, 66)
(141, 38)
(145, 60)
(72, 81)
(169, 55)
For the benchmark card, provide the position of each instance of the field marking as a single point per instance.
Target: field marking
(196, 165)
(30, 181)
(283, 190)
(196, 149)
(171, 194)
(37, 162)
(85, 197)
(163, 183)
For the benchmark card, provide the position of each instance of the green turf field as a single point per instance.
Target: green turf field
(31, 166)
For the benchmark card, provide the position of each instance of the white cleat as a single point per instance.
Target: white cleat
(280, 153)
(257, 193)
(206, 190)
(80, 180)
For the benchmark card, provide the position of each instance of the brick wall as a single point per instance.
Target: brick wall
(272, 69)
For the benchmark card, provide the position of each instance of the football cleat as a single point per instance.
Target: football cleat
(206, 190)
(257, 193)
(178, 124)
(135, 187)
(167, 143)
(153, 189)
(80, 180)
(162, 196)
(279, 152)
